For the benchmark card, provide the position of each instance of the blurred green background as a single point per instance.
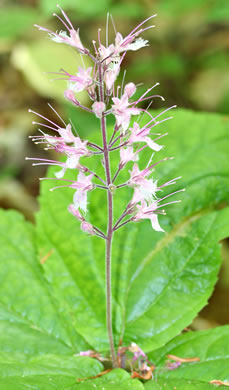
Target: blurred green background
(188, 55)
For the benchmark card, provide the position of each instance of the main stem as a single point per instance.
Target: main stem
(109, 225)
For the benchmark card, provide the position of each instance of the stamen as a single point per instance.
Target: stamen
(95, 48)
(123, 80)
(99, 39)
(62, 21)
(42, 124)
(57, 114)
(107, 29)
(167, 109)
(166, 204)
(145, 93)
(173, 193)
(43, 159)
(141, 24)
(41, 116)
(66, 17)
(112, 20)
(173, 181)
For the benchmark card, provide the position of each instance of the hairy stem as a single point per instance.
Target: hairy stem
(109, 226)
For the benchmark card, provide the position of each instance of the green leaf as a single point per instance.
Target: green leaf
(179, 384)
(210, 346)
(28, 311)
(160, 280)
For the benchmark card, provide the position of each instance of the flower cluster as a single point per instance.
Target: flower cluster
(129, 138)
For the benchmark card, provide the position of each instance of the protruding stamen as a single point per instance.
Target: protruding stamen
(65, 15)
(43, 117)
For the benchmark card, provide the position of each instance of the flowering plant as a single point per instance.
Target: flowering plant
(130, 140)
(61, 331)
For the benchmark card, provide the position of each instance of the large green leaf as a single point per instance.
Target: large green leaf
(210, 346)
(52, 301)
(37, 339)
(160, 281)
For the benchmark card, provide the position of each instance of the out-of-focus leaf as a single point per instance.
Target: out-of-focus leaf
(178, 7)
(219, 12)
(126, 9)
(216, 79)
(87, 9)
(37, 59)
(16, 21)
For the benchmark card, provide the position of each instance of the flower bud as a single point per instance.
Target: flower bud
(98, 108)
(87, 227)
(69, 95)
(75, 212)
(130, 89)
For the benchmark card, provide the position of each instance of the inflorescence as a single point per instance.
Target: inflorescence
(129, 138)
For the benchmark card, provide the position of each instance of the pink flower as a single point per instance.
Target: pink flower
(122, 112)
(105, 53)
(139, 135)
(148, 212)
(125, 44)
(145, 188)
(137, 351)
(71, 163)
(66, 134)
(72, 39)
(127, 154)
(80, 196)
(98, 108)
(81, 81)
